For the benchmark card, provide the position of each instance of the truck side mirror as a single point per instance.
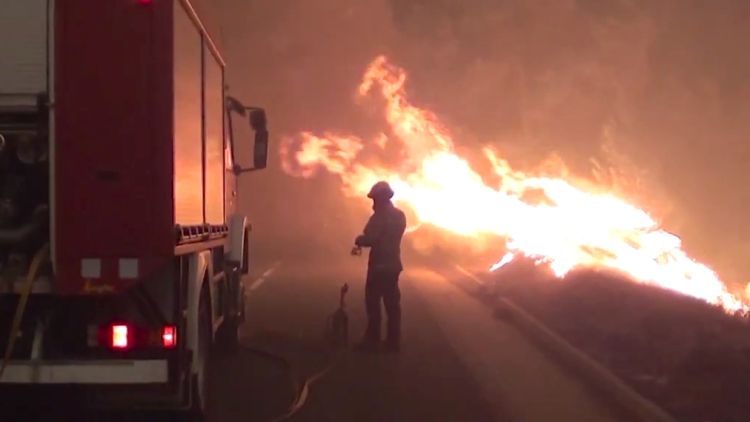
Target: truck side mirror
(260, 153)
(258, 122)
(258, 119)
(233, 105)
(260, 149)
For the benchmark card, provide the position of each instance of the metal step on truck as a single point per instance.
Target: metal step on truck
(121, 245)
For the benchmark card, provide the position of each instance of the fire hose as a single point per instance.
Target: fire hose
(337, 323)
(337, 332)
(302, 388)
(15, 326)
(304, 392)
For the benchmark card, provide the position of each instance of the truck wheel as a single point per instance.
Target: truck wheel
(228, 335)
(199, 386)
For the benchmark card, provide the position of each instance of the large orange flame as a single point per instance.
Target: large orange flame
(569, 227)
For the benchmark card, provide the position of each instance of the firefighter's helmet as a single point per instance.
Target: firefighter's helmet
(381, 190)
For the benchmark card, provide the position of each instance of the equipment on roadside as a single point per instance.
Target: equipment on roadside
(338, 323)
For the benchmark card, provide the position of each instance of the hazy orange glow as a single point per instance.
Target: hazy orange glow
(565, 226)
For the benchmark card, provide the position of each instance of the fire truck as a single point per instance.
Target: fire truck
(122, 249)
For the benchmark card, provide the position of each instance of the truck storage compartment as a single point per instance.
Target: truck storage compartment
(188, 127)
(129, 161)
(24, 189)
(139, 140)
(24, 30)
(24, 141)
(114, 163)
(198, 127)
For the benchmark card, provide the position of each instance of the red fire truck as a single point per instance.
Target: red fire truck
(121, 245)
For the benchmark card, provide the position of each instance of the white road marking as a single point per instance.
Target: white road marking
(264, 277)
(467, 273)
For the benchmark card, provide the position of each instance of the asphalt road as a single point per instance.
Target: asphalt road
(458, 363)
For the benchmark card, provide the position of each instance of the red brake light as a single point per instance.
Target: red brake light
(120, 338)
(169, 337)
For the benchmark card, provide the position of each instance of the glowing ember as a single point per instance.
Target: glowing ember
(564, 226)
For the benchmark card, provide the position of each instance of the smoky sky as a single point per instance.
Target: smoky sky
(655, 92)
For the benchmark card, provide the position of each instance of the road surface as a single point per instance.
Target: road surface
(458, 363)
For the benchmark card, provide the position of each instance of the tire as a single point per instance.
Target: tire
(199, 382)
(245, 264)
(228, 337)
(228, 334)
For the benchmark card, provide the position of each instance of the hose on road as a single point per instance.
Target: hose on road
(15, 326)
(303, 386)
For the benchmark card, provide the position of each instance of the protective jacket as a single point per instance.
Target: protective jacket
(382, 235)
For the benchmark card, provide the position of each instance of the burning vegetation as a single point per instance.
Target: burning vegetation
(559, 223)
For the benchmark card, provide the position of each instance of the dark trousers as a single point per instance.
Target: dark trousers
(383, 285)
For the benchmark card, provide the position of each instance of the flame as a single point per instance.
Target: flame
(548, 219)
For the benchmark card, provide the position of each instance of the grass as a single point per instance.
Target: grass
(689, 357)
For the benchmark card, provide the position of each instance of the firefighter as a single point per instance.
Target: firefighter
(382, 235)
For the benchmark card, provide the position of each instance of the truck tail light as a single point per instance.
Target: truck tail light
(120, 336)
(125, 336)
(169, 337)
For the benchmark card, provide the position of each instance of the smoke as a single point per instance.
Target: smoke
(648, 96)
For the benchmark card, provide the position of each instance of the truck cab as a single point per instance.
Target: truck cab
(122, 249)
